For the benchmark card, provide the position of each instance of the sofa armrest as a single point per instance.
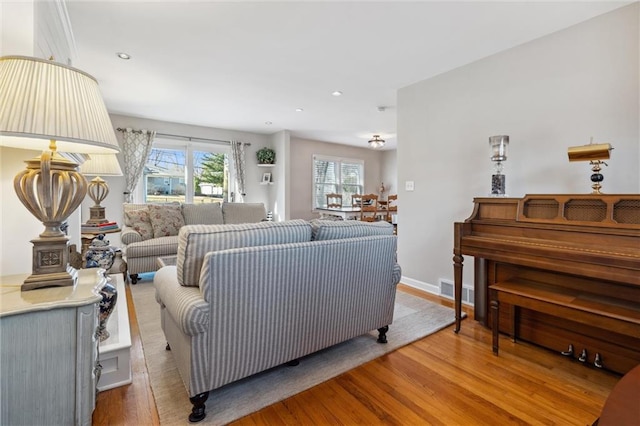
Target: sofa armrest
(130, 235)
(397, 274)
(185, 304)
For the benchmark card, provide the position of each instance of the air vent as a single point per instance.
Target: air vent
(447, 290)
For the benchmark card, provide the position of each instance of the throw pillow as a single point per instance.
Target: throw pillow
(166, 220)
(140, 221)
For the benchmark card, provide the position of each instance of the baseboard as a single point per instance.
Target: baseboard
(429, 288)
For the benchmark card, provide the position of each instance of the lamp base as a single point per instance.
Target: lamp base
(96, 216)
(50, 264)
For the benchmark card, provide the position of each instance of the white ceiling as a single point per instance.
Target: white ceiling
(236, 65)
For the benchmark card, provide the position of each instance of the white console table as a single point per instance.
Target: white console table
(115, 352)
(49, 351)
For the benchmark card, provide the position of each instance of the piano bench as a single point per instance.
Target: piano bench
(604, 312)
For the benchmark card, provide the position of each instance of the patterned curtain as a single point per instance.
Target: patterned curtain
(238, 158)
(136, 149)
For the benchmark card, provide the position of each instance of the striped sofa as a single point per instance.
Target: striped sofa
(142, 249)
(245, 298)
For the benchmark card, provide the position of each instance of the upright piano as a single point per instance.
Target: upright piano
(559, 270)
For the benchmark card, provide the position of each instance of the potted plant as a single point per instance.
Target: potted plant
(266, 156)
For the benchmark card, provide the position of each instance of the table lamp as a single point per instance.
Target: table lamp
(99, 165)
(50, 106)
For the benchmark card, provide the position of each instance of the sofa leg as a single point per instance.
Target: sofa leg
(293, 362)
(382, 334)
(197, 412)
(134, 278)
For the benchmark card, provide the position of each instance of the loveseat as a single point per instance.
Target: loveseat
(151, 230)
(245, 298)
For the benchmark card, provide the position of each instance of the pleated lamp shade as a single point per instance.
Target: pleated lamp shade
(101, 165)
(43, 100)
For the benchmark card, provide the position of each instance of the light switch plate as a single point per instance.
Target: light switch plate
(409, 185)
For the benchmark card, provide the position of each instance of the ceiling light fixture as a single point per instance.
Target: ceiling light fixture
(268, 122)
(376, 142)
(299, 110)
(123, 55)
(337, 93)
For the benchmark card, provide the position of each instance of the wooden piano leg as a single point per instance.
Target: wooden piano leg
(495, 320)
(457, 287)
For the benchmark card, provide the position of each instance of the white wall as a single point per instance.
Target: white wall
(301, 171)
(547, 95)
(280, 202)
(389, 171)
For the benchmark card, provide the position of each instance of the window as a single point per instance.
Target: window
(339, 175)
(186, 172)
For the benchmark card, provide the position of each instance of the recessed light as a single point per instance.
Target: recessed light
(299, 110)
(337, 93)
(268, 122)
(123, 55)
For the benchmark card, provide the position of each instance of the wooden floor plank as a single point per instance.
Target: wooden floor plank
(443, 379)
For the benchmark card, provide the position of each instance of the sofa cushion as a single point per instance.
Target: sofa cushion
(202, 214)
(166, 220)
(243, 212)
(140, 221)
(155, 247)
(195, 241)
(336, 230)
(127, 207)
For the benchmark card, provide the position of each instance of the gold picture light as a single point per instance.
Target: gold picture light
(594, 154)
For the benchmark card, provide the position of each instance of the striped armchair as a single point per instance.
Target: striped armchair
(233, 282)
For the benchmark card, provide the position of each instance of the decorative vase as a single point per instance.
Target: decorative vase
(109, 295)
(101, 255)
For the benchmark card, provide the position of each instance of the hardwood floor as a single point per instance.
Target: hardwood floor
(443, 379)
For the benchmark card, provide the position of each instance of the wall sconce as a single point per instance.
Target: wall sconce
(594, 154)
(499, 146)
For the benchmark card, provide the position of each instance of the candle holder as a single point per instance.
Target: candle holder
(499, 146)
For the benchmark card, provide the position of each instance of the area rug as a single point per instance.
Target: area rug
(414, 318)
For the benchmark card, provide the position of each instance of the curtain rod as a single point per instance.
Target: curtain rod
(189, 138)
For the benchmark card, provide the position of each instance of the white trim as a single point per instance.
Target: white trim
(338, 159)
(429, 288)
